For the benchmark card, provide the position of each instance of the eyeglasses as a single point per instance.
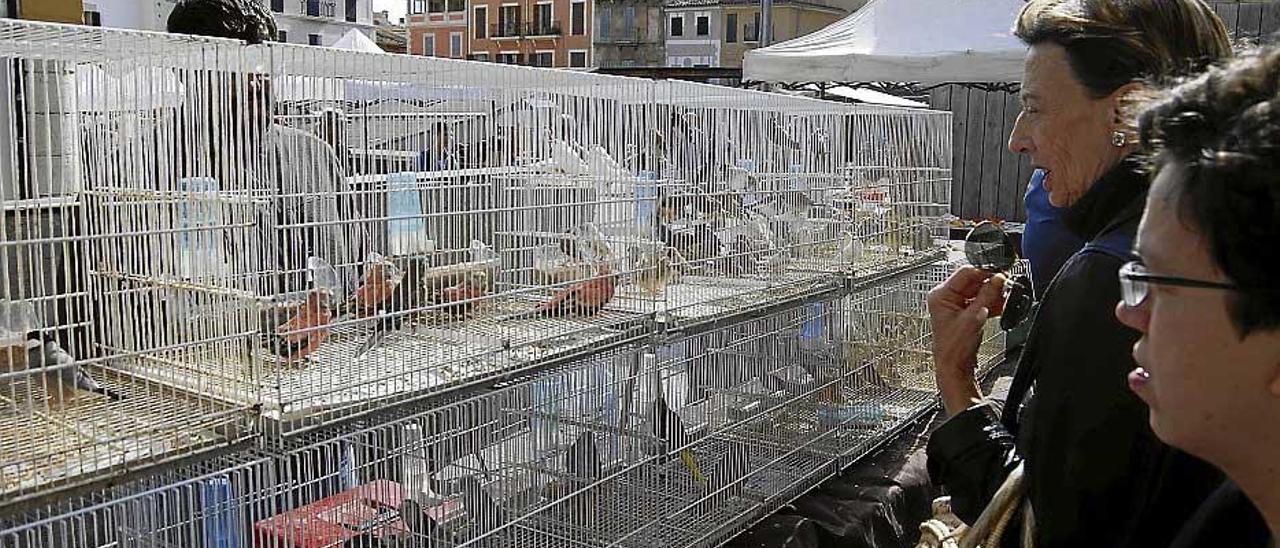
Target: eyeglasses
(1135, 283)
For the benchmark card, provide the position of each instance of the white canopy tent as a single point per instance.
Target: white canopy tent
(927, 41)
(355, 40)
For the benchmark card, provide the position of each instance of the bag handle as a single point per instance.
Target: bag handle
(990, 525)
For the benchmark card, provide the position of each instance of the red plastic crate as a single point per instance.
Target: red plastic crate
(372, 508)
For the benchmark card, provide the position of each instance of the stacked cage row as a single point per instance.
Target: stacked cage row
(681, 443)
(206, 241)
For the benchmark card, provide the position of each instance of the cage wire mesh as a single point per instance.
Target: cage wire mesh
(204, 240)
(685, 443)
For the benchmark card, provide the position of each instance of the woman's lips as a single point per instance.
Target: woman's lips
(1138, 379)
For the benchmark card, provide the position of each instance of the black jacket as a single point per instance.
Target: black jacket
(1226, 519)
(1096, 475)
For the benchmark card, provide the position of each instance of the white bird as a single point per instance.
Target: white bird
(565, 158)
(850, 251)
(739, 179)
(754, 228)
(588, 243)
(601, 164)
(557, 266)
(482, 252)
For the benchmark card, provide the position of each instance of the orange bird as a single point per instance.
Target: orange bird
(290, 338)
(581, 299)
(376, 286)
(473, 286)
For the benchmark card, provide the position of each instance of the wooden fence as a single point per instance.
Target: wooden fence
(988, 179)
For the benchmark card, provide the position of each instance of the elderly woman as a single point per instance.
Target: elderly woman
(1095, 474)
(1204, 293)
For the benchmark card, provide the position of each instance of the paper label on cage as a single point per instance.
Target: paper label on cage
(798, 182)
(201, 241)
(812, 330)
(408, 235)
(646, 203)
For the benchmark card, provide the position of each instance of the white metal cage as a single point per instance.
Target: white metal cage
(683, 444)
(205, 241)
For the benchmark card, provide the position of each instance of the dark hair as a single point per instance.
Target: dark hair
(244, 20)
(1111, 43)
(1224, 127)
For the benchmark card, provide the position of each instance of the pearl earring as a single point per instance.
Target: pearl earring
(1118, 139)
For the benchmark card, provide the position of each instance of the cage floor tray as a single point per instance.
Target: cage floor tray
(45, 443)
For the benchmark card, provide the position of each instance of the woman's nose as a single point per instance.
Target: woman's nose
(1019, 143)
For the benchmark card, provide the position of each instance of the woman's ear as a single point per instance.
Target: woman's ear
(1124, 103)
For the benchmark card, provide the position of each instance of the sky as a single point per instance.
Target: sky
(396, 7)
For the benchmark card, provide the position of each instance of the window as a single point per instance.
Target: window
(508, 21)
(93, 18)
(418, 6)
(435, 6)
(351, 11)
(677, 25)
(481, 22)
(578, 59)
(731, 27)
(629, 19)
(543, 59)
(702, 25)
(456, 6)
(319, 8)
(313, 39)
(602, 23)
(480, 57)
(509, 58)
(542, 19)
(455, 45)
(578, 19)
(277, 6)
(752, 32)
(429, 45)
(282, 37)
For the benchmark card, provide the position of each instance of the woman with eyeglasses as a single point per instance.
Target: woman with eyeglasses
(1205, 294)
(1095, 475)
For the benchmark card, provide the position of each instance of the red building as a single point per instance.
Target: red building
(543, 33)
(438, 28)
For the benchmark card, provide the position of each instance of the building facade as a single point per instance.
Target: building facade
(719, 33)
(321, 22)
(628, 33)
(542, 33)
(314, 22)
(694, 33)
(128, 14)
(439, 28)
(392, 37)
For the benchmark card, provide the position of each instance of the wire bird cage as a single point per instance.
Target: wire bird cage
(205, 241)
(683, 444)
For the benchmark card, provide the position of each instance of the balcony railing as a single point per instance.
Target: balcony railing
(628, 36)
(526, 29)
(544, 28)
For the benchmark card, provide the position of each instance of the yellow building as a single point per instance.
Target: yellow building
(58, 11)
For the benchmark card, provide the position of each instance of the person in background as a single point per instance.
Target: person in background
(298, 168)
(1204, 292)
(1046, 242)
(1095, 475)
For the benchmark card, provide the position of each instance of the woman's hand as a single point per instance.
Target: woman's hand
(958, 308)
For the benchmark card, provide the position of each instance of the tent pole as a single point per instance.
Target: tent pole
(766, 22)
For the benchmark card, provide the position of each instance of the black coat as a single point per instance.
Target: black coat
(1096, 475)
(1226, 519)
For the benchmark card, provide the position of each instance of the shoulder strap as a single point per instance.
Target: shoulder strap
(1117, 243)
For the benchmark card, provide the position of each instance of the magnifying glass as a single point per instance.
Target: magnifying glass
(988, 247)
